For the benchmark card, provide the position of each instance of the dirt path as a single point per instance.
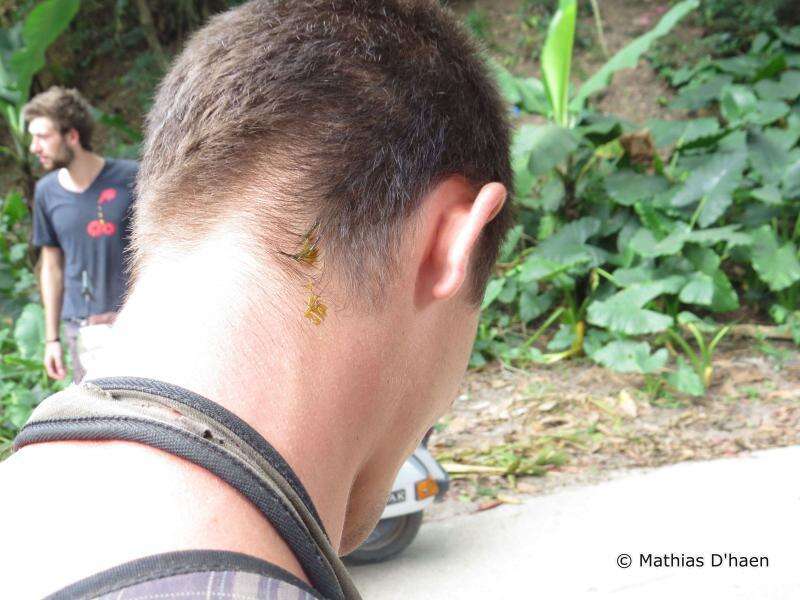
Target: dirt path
(513, 433)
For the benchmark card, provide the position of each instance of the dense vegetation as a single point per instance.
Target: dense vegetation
(637, 245)
(640, 242)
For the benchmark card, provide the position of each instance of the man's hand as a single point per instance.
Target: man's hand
(103, 318)
(54, 360)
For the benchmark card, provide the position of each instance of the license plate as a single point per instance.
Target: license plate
(397, 496)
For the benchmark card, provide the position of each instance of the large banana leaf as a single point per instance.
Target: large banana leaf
(628, 57)
(41, 28)
(557, 59)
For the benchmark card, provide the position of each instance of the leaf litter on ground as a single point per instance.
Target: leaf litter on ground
(515, 432)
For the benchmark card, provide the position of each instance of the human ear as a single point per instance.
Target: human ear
(461, 224)
(73, 137)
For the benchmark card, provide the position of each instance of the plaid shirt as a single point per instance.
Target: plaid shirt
(224, 585)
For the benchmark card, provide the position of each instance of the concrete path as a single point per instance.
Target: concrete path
(566, 545)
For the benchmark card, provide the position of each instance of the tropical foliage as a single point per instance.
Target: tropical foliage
(631, 242)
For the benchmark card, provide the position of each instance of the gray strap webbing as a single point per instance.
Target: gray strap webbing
(185, 424)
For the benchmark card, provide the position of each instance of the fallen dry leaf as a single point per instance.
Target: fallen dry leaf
(626, 405)
(489, 504)
(506, 499)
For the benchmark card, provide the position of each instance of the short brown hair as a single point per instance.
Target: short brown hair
(66, 108)
(346, 111)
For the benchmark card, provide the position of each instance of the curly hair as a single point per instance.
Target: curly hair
(66, 108)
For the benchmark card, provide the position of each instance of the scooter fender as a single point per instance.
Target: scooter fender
(403, 499)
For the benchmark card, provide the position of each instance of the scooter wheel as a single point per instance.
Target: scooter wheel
(389, 538)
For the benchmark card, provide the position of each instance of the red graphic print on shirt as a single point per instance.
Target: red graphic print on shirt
(100, 227)
(107, 195)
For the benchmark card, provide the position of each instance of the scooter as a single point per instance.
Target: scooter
(419, 483)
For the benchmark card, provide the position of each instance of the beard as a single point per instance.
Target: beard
(62, 159)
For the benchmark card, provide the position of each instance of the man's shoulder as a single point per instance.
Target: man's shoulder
(47, 182)
(123, 167)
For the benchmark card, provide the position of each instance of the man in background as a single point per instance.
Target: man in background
(80, 220)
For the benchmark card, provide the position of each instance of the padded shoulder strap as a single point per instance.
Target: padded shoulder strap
(187, 425)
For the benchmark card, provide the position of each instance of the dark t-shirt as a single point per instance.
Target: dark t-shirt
(92, 229)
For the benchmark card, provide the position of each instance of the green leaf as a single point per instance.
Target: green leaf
(772, 67)
(14, 207)
(17, 252)
(41, 28)
(706, 261)
(630, 357)
(760, 42)
(532, 306)
(29, 332)
(557, 58)
(767, 157)
(624, 313)
(786, 88)
(594, 339)
(714, 182)
(791, 37)
(538, 268)
(645, 244)
(510, 243)
(725, 298)
(714, 235)
(776, 265)
(685, 380)
(642, 273)
(537, 149)
(506, 81)
(768, 111)
(627, 187)
(700, 92)
(685, 318)
(476, 359)
(509, 291)
(736, 102)
(744, 66)
(628, 57)
(552, 194)
(20, 406)
(562, 339)
(601, 129)
(493, 290)
(683, 133)
(698, 290)
(653, 219)
(533, 96)
(569, 244)
(769, 194)
(790, 183)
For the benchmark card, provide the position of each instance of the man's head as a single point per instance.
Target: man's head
(350, 157)
(60, 125)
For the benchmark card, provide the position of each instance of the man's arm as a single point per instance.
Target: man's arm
(52, 284)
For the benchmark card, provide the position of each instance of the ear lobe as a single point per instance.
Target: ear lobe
(465, 226)
(73, 136)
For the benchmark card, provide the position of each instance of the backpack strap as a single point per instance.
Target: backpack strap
(187, 425)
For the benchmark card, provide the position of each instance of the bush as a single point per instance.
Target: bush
(631, 239)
